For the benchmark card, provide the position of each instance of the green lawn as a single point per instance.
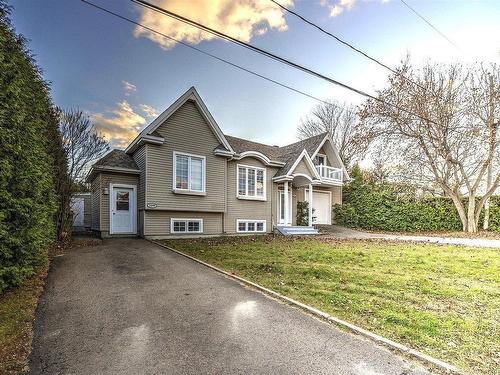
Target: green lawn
(441, 300)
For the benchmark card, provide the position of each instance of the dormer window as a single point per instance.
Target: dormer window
(320, 159)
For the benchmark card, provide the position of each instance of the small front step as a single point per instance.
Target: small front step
(296, 230)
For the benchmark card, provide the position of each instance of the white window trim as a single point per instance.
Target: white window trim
(238, 221)
(256, 197)
(203, 177)
(173, 219)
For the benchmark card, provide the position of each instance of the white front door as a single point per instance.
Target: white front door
(322, 207)
(122, 207)
(77, 207)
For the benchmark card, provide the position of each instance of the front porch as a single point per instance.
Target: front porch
(320, 197)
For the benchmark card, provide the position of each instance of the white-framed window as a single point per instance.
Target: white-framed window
(250, 226)
(186, 225)
(250, 182)
(189, 172)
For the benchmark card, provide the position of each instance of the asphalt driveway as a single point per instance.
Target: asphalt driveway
(130, 307)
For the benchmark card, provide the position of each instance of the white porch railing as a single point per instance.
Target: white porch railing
(330, 173)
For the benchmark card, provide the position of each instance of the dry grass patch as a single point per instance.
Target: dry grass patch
(17, 313)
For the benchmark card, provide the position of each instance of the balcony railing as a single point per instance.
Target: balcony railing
(330, 173)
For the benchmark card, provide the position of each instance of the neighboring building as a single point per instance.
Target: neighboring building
(81, 208)
(181, 175)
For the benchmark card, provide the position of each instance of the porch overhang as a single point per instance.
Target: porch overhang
(100, 168)
(142, 139)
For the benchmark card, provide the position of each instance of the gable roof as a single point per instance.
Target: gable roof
(304, 157)
(149, 132)
(234, 147)
(292, 152)
(114, 161)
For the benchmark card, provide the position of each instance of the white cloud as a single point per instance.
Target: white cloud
(339, 6)
(241, 19)
(129, 88)
(119, 125)
(148, 110)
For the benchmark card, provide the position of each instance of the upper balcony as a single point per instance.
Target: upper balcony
(330, 174)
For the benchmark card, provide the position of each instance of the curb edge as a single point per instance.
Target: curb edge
(450, 369)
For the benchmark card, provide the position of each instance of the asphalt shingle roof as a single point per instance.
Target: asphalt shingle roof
(285, 154)
(240, 145)
(117, 159)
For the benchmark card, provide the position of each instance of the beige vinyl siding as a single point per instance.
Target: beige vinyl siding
(95, 193)
(336, 194)
(249, 209)
(158, 222)
(140, 159)
(106, 180)
(186, 131)
(303, 168)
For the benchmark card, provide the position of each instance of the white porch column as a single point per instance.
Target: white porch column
(310, 199)
(287, 203)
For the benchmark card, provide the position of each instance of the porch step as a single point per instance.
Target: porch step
(296, 230)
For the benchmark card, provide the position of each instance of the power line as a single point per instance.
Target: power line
(338, 39)
(271, 55)
(206, 53)
(439, 32)
(431, 25)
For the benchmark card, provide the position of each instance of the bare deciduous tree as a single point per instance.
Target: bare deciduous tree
(82, 145)
(342, 123)
(455, 141)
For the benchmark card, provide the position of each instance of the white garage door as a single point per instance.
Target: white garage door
(322, 207)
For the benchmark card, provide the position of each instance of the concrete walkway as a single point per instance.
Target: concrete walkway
(336, 231)
(128, 306)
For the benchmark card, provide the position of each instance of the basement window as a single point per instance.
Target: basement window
(251, 226)
(186, 225)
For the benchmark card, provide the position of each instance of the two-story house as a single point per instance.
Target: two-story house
(182, 176)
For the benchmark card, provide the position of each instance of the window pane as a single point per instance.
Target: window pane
(260, 183)
(260, 227)
(179, 226)
(194, 226)
(242, 181)
(242, 226)
(196, 174)
(122, 203)
(282, 206)
(251, 227)
(251, 182)
(181, 172)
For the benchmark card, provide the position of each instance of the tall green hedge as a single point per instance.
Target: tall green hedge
(28, 126)
(385, 206)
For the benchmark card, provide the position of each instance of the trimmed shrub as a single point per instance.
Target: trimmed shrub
(391, 207)
(302, 215)
(27, 128)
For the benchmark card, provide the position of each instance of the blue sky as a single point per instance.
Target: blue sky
(99, 64)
